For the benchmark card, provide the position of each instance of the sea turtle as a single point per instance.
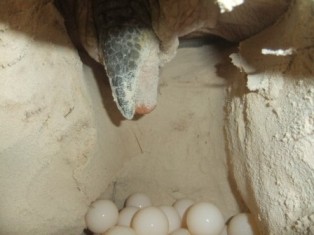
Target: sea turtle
(135, 37)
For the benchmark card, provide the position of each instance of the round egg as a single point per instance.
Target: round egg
(204, 218)
(173, 217)
(120, 230)
(182, 205)
(139, 200)
(241, 224)
(126, 215)
(101, 215)
(150, 221)
(181, 231)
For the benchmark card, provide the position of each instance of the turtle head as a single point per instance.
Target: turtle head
(131, 59)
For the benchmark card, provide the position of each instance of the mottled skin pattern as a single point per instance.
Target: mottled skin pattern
(136, 37)
(123, 28)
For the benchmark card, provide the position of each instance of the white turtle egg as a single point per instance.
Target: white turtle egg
(204, 218)
(241, 224)
(181, 231)
(120, 230)
(101, 215)
(150, 221)
(126, 215)
(182, 205)
(139, 200)
(173, 217)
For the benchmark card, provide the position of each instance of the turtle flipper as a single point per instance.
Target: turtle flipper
(130, 53)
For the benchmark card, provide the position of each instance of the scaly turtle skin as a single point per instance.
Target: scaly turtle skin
(130, 52)
(136, 37)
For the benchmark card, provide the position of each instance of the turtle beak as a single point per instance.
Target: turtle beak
(131, 59)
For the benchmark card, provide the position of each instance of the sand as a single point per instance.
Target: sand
(64, 143)
(239, 136)
(270, 123)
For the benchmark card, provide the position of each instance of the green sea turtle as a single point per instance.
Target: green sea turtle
(133, 38)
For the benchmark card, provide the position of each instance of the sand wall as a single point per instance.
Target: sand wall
(52, 159)
(270, 123)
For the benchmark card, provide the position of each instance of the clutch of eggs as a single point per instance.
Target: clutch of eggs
(185, 217)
